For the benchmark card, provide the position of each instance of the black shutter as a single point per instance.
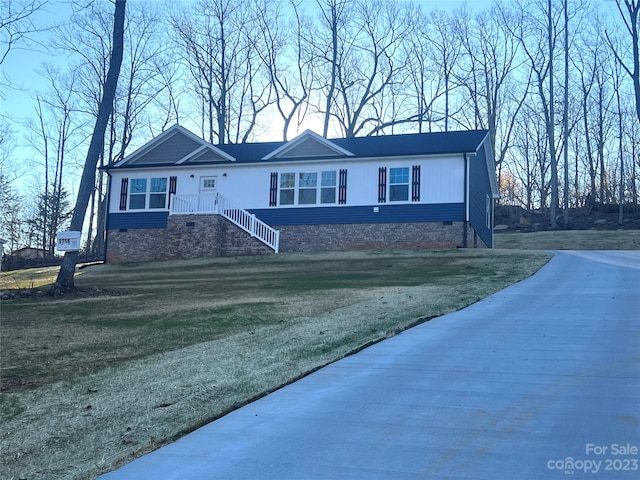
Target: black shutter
(342, 188)
(415, 183)
(382, 184)
(273, 190)
(173, 183)
(124, 186)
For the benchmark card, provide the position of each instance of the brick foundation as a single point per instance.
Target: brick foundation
(186, 236)
(315, 238)
(193, 236)
(136, 244)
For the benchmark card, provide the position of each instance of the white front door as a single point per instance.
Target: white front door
(208, 193)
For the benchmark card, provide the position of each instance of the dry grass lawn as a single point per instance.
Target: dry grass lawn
(570, 240)
(147, 352)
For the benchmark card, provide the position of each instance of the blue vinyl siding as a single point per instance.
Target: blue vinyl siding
(138, 220)
(363, 214)
(479, 188)
(315, 215)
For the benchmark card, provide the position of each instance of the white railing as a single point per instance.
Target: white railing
(219, 205)
(185, 204)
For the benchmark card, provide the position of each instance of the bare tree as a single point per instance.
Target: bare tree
(565, 118)
(531, 147)
(220, 43)
(145, 59)
(334, 16)
(16, 23)
(445, 53)
(52, 212)
(360, 62)
(11, 203)
(424, 82)
(630, 13)
(591, 64)
(551, 36)
(288, 59)
(55, 132)
(370, 66)
(621, 190)
(64, 281)
(492, 55)
(537, 33)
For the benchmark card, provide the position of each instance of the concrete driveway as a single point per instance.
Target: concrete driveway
(539, 381)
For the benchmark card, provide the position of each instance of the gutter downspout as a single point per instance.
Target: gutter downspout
(466, 203)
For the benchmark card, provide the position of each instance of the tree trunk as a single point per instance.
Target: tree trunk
(64, 282)
(634, 11)
(334, 67)
(620, 149)
(565, 119)
(551, 126)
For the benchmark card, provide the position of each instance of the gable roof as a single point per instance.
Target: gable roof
(178, 146)
(308, 144)
(205, 154)
(175, 145)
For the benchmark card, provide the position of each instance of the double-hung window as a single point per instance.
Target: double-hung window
(138, 194)
(307, 188)
(287, 188)
(158, 193)
(399, 184)
(328, 187)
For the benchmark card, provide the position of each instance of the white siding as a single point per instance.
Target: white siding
(247, 186)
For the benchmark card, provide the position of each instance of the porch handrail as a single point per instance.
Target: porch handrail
(220, 205)
(186, 204)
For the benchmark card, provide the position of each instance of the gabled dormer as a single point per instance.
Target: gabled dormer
(308, 145)
(175, 145)
(205, 154)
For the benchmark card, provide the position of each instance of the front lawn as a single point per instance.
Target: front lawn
(145, 352)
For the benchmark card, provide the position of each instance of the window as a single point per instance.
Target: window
(155, 188)
(328, 187)
(208, 183)
(158, 195)
(399, 184)
(138, 196)
(287, 188)
(307, 188)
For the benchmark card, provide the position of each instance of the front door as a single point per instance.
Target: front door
(208, 193)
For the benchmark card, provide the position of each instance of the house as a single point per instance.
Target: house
(179, 196)
(28, 252)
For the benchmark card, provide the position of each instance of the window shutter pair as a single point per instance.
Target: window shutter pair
(415, 184)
